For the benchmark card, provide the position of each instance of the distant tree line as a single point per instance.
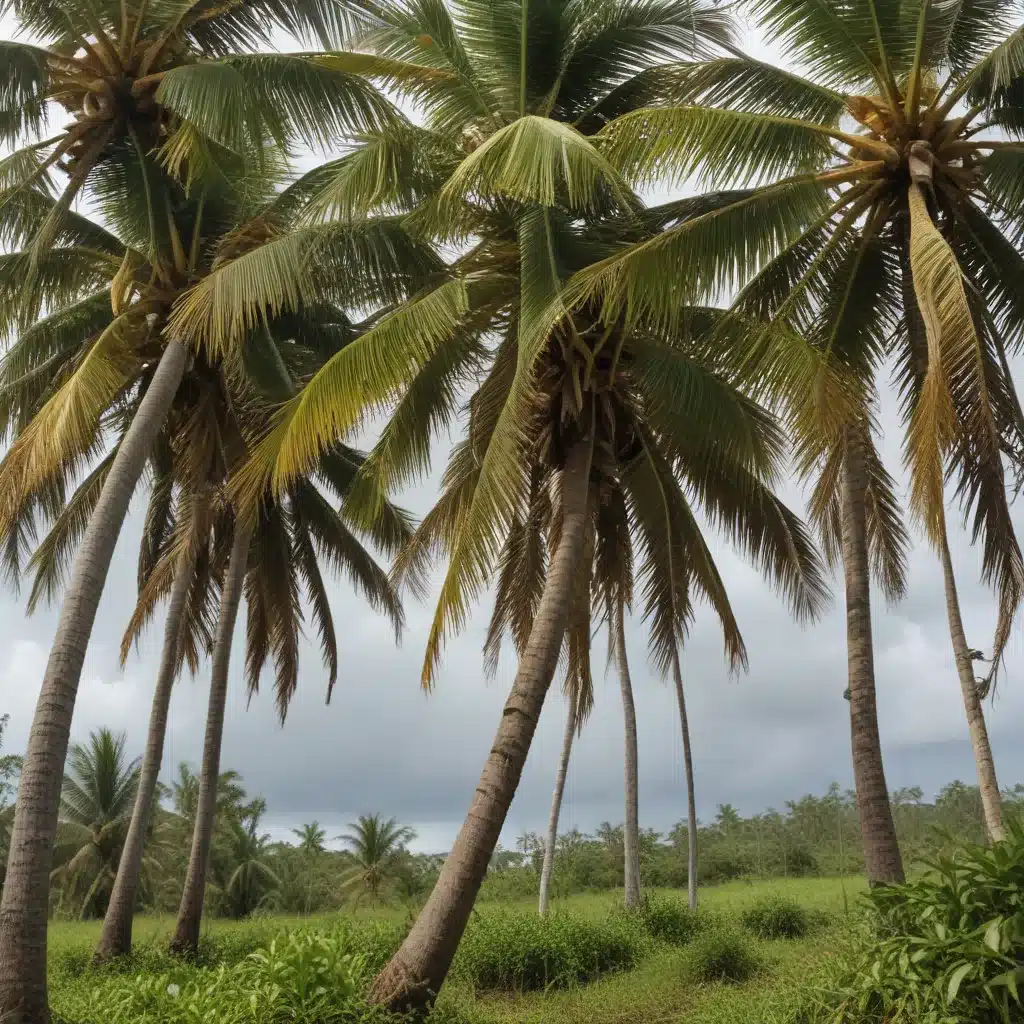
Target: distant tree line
(250, 873)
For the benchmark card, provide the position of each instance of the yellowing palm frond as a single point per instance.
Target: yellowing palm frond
(361, 377)
(949, 328)
(536, 159)
(65, 428)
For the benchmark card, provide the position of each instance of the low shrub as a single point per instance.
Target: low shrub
(521, 951)
(776, 918)
(946, 947)
(306, 977)
(669, 919)
(720, 954)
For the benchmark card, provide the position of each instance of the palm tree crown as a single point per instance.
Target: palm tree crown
(96, 803)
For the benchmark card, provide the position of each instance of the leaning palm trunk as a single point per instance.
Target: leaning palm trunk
(882, 859)
(990, 798)
(556, 809)
(23, 911)
(416, 972)
(116, 937)
(691, 798)
(190, 912)
(631, 829)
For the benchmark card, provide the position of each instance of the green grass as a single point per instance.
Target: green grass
(660, 989)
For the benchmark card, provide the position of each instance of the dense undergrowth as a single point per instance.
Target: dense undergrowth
(946, 948)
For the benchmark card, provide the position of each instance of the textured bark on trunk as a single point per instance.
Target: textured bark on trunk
(882, 860)
(23, 910)
(990, 798)
(691, 797)
(631, 829)
(190, 912)
(556, 809)
(116, 937)
(416, 972)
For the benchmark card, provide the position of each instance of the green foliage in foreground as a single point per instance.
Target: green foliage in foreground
(669, 918)
(947, 948)
(520, 951)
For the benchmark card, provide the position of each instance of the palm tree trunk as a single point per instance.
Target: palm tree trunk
(556, 809)
(416, 972)
(990, 798)
(631, 829)
(882, 859)
(23, 910)
(691, 797)
(116, 937)
(190, 912)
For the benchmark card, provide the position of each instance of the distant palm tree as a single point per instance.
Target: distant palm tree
(252, 877)
(95, 807)
(377, 846)
(311, 837)
(185, 793)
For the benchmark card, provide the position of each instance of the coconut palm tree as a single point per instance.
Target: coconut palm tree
(96, 800)
(189, 456)
(252, 878)
(151, 91)
(895, 240)
(520, 89)
(311, 838)
(377, 846)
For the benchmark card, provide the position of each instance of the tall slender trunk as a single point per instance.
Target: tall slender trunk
(416, 972)
(691, 797)
(23, 910)
(190, 912)
(990, 798)
(556, 809)
(882, 859)
(116, 937)
(631, 829)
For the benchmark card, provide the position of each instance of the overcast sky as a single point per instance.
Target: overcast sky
(383, 746)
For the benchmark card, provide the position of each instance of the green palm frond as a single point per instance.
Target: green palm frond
(52, 559)
(522, 570)
(23, 212)
(835, 42)
(65, 428)
(53, 280)
(391, 170)
(667, 145)
(656, 280)
(362, 376)
(536, 159)
(236, 101)
(367, 263)
(343, 553)
(24, 78)
(737, 83)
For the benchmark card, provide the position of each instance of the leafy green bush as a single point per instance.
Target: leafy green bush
(948, 946)
(776, 918)
(669, 919)
(520, 951)
(720, 954)
(306, 977)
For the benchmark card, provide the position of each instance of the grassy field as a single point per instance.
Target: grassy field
(659, 989)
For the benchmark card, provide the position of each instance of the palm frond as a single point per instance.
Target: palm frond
(655, 281)
(51, 560)
(367, 263)
(65, 427)
(952, 341)
(536, 159)
(24, 80)
(360, 378)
